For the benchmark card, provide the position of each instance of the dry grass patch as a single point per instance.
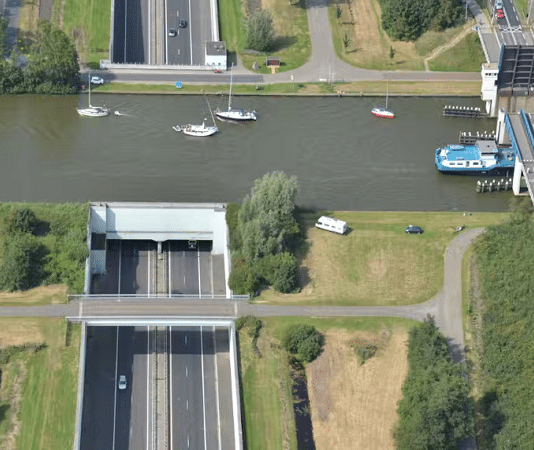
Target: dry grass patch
(19, 331)
(354, 406)
(42, 295)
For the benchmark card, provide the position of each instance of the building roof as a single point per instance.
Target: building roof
(215, 48)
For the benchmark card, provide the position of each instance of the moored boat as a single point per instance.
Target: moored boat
(382, 112)
(93, 111)
(235, 115)
(483, 157)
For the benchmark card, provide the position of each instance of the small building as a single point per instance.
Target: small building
(273, 62)
(216, 55)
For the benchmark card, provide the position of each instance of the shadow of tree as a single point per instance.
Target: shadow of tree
(492, 419)
(282, 42)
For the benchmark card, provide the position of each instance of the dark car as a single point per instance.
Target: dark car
(172, 32)
(182, 23)
(414, 229)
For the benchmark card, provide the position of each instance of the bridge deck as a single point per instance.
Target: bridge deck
(526, 152)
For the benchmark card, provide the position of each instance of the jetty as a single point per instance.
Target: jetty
(468, 112)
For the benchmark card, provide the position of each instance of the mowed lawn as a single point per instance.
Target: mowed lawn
(377, 263)
(38, 390)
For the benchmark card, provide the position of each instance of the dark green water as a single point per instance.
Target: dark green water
(343, 157)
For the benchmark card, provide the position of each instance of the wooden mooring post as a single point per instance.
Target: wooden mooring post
(504, 184)
(470, 112)
(468, 138)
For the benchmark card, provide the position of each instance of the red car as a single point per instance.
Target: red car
(217, 71)
(500, 14)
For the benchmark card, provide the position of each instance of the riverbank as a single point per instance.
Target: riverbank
(357, 88)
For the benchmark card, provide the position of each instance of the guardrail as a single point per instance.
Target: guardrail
(238, 430)
(81, 383)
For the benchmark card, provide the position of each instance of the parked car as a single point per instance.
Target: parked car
(122, 382)
(182, 23)
(97, 80)
(500, 14)
(413, 229)
(172, 32)
(217, 70)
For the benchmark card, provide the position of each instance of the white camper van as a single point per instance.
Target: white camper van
(331, 224)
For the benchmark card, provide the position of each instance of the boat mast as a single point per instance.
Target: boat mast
(89, 89)
(211, 112)
(231, 79)
(387, 92)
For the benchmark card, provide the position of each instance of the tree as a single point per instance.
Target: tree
(259, 31)
(303, 340)
(3, 37)
(232, 215)
(346, 41)
(242, 279)
(266, 223)
(22, 264)
(53, 67)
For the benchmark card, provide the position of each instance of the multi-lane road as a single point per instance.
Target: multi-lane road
(179, 389)
(134, 268)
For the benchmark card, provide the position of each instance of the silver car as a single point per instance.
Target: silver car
(122, 382)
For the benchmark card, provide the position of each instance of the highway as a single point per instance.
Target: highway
(179, 48)
(195, 389)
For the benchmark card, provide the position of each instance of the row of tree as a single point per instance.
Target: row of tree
(505, 266)
(435, 410)
(263, 236)
(27, 262)
(406, 20)
(52, 66)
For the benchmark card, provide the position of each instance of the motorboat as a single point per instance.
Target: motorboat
(93, 111)
(481, 158)
(235, 115)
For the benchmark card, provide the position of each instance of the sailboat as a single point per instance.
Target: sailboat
(383, 112)
(198, 130)
(93, 111)
(235, 115)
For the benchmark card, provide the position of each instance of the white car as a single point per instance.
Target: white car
(122, 382)
(97, 80)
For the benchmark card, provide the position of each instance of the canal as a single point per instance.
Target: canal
(343, 157)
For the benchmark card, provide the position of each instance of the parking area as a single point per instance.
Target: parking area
(182, 268)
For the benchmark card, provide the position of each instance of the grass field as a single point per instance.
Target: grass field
(377, 263)
(466, 56)
(42, 295)
(38, 390)
(269, 422)
(371, 88)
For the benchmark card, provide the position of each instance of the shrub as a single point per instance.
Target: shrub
(21, 220)
(22, 264)
(279, 270)
(242, 279)
(304, 340)
(232, 214)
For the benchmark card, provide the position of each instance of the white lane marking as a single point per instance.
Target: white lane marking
(148, 275)
(187, 404)
(170, 291)
(147, 385)
(217, 389)
(125, 27)
(199, 285)
(170, 382)
(149, 34)
(120, 265)
(177, 13)
(186, 372)
(203, 393)
(188, 441)
(116, 371)
(183, 257)
(190, 34)
(185, 339)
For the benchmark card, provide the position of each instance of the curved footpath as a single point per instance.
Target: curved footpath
(446, 306)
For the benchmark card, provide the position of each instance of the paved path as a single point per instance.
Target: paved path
(446, 306)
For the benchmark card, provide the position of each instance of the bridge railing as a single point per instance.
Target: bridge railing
(81, 385)
(511, 134)
(162, 296)
(528, 128)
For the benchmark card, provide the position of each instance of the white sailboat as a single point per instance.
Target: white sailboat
(384, 112)
(198, 130)
(93, 111)
(235, 115)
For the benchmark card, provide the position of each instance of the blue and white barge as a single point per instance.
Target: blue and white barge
(481, 158)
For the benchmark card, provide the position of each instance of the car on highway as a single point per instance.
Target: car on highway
(182, 23)
(122, 382)
(97, 80)
(172, 32)
(413, 229)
